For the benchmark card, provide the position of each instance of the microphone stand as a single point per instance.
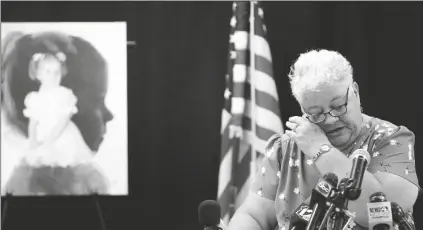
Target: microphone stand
(349, 192)
(335, 203)
(339, 212)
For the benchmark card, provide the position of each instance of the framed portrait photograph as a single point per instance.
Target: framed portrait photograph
(64, 109)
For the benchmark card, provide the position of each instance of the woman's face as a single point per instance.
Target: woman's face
(49, 72)
(343, 130)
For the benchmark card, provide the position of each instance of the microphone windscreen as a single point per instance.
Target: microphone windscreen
(378, 197)
(331, 178)
(361, 152)
(209, 213)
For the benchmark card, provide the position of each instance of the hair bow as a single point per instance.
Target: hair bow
(61, 56)
(38, 56)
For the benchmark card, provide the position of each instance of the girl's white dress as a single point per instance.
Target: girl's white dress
(48, 108)
(65, 167)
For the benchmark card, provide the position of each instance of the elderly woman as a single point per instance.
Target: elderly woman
(331, 129)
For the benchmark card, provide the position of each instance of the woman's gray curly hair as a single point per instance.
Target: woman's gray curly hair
(317, 68)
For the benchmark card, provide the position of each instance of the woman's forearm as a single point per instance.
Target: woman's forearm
(31, 131)
(244, 221)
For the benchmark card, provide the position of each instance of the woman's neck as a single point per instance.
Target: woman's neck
(46, 88)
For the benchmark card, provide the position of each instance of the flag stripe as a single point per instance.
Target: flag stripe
(243, 150)
(263, 65)
(225, 199)
(265, 83)
(243, 192)
(259, 44)
(225, 165)
(242, 57)
(262, 81)
(266, 101)
(263, 99)
(261, 48)
(243, 169)
(268, 119)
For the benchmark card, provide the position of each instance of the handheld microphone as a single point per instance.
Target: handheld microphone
(361, 160)
(324, 189)
(300, 217)
(209, 215)
(400, 217)
(379, 212)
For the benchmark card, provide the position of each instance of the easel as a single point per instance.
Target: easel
(99, 212)
(3, 211)
(94, 197)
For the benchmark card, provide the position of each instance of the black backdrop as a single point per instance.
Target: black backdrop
(176, 81)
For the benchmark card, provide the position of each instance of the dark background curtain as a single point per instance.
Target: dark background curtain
(175, 91)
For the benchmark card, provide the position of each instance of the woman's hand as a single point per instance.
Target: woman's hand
(308, 136)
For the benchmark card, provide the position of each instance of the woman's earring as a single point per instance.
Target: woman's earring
(361, 108)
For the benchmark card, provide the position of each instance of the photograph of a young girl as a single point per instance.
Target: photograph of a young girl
(63, 109)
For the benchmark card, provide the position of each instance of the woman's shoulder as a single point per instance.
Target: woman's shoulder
(379, 125)
(65, 93)
(31, 98)
(64, 90)
(382, 130)
(32, 94)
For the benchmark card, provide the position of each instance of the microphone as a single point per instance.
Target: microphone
(379, 212)
(400, 217)
(361, 160)
(324, 189)
(209, 215)
(300, 217)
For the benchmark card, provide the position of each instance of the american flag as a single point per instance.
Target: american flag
(249, 118)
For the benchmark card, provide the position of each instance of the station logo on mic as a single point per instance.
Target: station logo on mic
(324, 188)
(304, 212)
(379, 212)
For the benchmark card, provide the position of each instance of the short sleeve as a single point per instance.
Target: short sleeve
(395, 154)
(30, 103)
(69, 102)
(266, 180)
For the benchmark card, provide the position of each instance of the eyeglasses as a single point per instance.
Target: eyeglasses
(336, 112)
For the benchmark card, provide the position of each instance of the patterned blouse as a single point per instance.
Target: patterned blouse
(287, 176)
